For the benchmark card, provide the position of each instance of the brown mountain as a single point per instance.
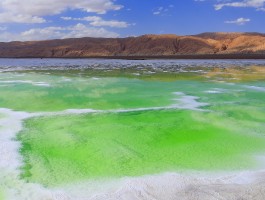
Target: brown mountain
(146, 46)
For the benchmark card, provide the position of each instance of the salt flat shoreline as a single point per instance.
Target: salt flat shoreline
(245, 185)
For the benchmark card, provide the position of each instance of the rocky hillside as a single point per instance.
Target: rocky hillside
(146, 45)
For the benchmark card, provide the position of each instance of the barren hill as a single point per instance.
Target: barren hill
(146, 45)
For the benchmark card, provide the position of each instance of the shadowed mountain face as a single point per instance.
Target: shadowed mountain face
(147, 45)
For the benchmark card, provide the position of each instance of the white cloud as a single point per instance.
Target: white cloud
(67, 18)
(261, 9)
(3, 28)
(163, 10)
(156, 12)
(77, 31)
(258, 4)
(9, 17)
(40, 34)
(32, 11)
(98, 21)
(110, 23)
(80, 30)
(239, 21)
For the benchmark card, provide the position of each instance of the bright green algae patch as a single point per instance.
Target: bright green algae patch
(64, 149)
(2, 197)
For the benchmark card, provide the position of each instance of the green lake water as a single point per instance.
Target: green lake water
(139, 122)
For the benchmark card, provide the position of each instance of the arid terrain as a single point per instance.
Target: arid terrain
(211, 44)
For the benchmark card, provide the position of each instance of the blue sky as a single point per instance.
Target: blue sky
(49, 19)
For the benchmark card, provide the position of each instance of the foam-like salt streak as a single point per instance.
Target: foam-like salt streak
(183, 101)
(251, 87)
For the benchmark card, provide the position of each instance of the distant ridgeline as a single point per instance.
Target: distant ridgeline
(205, 45)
